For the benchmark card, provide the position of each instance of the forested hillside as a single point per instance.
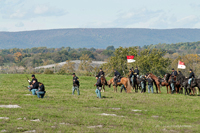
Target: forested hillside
(97, 38)
(187, 47)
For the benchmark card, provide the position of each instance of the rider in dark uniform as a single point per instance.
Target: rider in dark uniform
(136, 71)
(191, 76)
(101, 73)
(116, 77)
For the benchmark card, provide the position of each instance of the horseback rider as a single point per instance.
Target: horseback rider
(190, 78)
(116, 77)
(101, 73)
(75, 84)
(131, 75)
(136, 71)
(173, 74)
(99, 86)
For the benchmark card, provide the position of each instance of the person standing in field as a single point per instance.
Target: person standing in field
(99, 87)
(150, 84)
(75, 84)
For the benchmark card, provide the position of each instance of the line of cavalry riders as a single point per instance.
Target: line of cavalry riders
(173, 80)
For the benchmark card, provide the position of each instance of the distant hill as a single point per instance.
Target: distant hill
(97, 38)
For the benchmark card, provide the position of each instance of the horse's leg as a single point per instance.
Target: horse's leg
(159, 88)
(176, 89)
(167, 89)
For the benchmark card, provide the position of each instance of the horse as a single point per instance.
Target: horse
(166, 83)
(136, 82)
(156, 82)
(124, 81)
(103, 82)
(184, 83)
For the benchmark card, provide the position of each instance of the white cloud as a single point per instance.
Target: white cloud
(22, 12)
(41, 9)
(20, 24)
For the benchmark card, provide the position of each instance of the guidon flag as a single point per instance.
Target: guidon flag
(181, 65)
(130, 58)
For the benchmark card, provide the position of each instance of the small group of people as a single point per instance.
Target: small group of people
(134, 74)
(76, 84)
(175, 73)
(37, 88)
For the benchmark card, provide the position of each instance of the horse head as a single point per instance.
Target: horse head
(166, 77)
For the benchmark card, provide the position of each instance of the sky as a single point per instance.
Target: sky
(27, 15)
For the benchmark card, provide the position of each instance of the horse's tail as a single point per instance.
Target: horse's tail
(128, 89)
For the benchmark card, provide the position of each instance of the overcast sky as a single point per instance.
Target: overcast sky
(23, 15)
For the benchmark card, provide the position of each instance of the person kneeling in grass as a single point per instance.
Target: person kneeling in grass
(41, 91)
(99, 86)
(34, 87)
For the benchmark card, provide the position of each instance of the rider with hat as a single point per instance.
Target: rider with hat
(101, 73)
(116, 77)
(191, 76)
(136, 71)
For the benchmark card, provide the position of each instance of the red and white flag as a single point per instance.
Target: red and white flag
(181, 65)
(130, 58)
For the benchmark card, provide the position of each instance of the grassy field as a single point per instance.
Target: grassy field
(60, 111)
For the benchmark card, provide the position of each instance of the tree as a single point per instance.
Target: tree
(110, 48)
(85, 64)
(153, 61)
(18, 56)
(119, 60)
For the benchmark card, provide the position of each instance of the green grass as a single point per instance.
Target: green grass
(173, 113)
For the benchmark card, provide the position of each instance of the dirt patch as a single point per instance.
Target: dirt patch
(5, 118)
(36, 120)
(3, 131)
(110, 115)
(10, 106)
(136, 110)
(155, 116)
(98, 126)
(31, 131)
(116, 108)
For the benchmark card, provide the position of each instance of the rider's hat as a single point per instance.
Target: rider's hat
(97, 76)
(172, 68)
(100, 68)
(190, 69)
(73, 74)
(33, 75)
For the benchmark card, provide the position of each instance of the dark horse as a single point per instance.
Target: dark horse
(184, 83)
(136, 82)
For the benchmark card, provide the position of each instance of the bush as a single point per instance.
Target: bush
(48, 71)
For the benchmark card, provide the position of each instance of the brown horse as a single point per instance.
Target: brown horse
(103, 82)
(156, 82)
(166, 83)
(124, 81)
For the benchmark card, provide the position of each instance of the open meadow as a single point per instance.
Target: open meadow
(60, 111)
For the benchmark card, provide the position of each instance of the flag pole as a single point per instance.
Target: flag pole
(177, 66)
